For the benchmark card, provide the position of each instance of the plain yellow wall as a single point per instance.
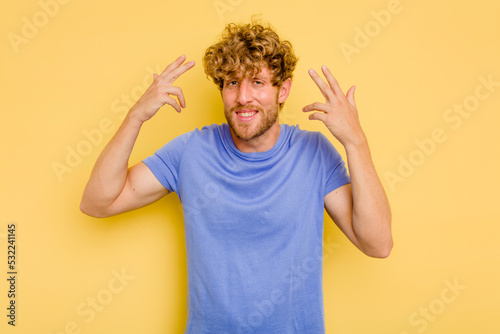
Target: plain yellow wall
(428, 78)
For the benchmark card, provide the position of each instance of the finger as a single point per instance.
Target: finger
(176, 63)
(170, 101)
(172, 76)
(316, 106)
(318, 116)
(323, 86)
(177, 91)
(334, 84)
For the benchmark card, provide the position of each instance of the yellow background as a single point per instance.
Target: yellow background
(71, 76)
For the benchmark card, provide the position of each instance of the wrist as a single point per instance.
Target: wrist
(357, 145)
(135, 116)
(355, 141)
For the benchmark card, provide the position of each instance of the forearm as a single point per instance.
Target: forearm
(111, 168)
(113, 187)
(363, 211)
(371, 219)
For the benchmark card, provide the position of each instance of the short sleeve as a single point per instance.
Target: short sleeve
(165, 162)
(336, 172)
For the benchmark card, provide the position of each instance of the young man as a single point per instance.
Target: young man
(253, 191)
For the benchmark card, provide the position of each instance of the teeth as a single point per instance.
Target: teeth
(247, 114)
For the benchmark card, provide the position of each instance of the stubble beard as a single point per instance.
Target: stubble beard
(243, 131)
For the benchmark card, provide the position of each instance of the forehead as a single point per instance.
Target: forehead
(264, 72)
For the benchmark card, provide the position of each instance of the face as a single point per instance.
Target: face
(251, 104)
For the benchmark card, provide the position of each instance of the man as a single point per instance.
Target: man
(253, 191)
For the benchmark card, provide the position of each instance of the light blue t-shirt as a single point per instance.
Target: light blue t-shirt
(254, 228)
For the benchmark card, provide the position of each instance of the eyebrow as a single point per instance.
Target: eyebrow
(262, 77)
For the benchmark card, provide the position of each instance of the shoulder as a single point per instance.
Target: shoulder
(207, 135)
(209, 130)
(193, 143)
(312, 144)
(298, 136)
(203, 133)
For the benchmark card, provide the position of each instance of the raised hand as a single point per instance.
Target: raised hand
(339, 112)
(158, 94)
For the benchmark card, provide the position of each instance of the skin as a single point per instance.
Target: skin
(113, 187)
(254, 95)
(360, 209)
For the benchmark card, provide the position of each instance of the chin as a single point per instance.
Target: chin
(245, 134)
(253, 129)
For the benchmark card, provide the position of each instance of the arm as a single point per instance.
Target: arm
(113, 187)
(361, 209)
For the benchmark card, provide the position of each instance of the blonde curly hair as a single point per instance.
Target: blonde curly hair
(248, 48)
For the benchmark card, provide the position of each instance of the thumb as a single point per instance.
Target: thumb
(350, 96)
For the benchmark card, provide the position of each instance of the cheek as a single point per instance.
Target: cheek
(226, 98)
(263, 97)
(269, 98)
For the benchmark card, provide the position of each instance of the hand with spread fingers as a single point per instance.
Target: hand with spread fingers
(158, 94)
(339, 112)
(361, 209)
(113, 187)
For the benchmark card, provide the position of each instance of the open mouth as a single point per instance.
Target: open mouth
(246, 115)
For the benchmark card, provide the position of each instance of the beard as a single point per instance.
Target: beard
(251, 131)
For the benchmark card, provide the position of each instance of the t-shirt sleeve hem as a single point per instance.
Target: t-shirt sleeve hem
(342, 181)
(158, 172)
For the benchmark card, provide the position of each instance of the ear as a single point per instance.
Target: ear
(284, 90)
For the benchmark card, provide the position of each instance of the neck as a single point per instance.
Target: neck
(262, 143)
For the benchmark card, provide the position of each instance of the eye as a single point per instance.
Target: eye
(232, 83)
(258, 82)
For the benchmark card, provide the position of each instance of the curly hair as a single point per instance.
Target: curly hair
(248, 48)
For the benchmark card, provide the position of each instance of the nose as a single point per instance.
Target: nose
(245, 95)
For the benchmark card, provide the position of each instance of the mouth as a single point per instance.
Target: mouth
(246, 115)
